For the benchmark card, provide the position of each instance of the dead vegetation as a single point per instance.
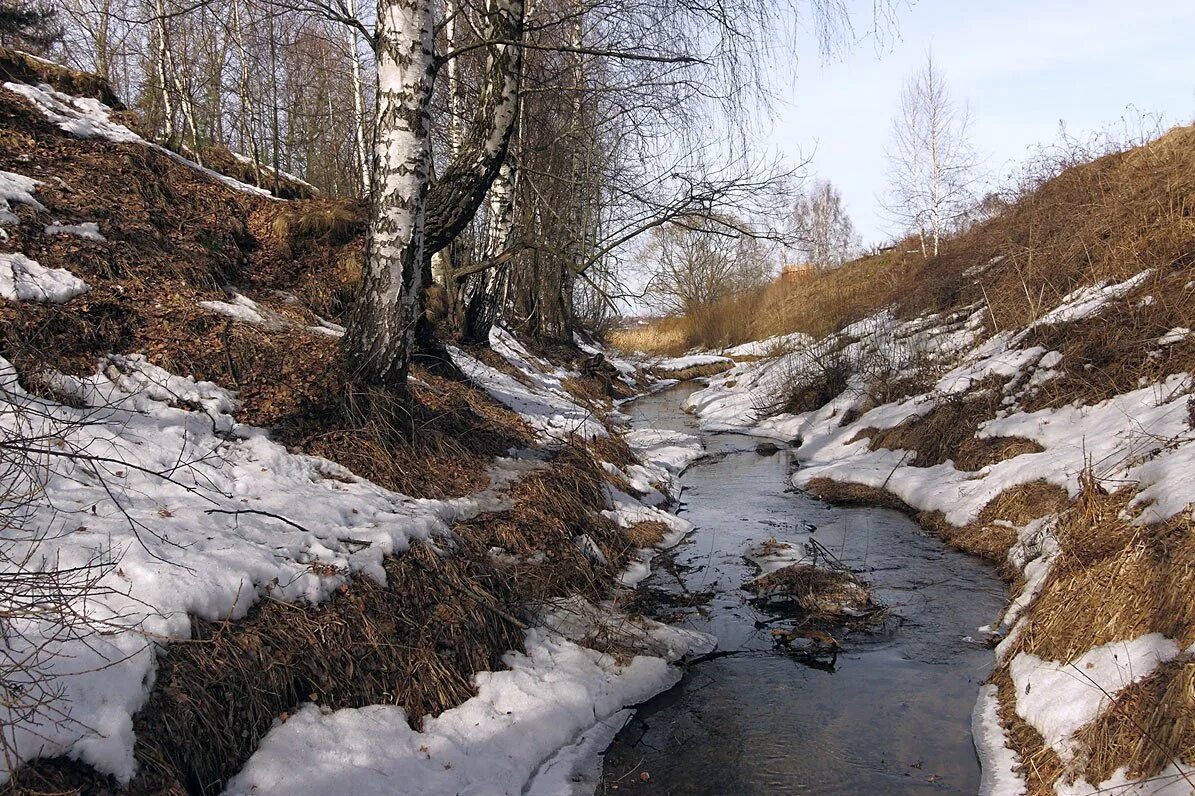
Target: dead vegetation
(690, 372)
(821, 594)
(175, 238)
(992, 533)
(1113, 580)
(948, 432)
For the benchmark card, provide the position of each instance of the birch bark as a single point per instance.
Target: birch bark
(380, 336)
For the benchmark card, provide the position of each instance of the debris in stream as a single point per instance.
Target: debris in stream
(767, 448)
(820, 594)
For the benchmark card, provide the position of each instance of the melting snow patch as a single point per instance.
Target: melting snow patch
(1059, 698)
(538, 397)
(16, 188)
(88, 229)
(1087, 301)
(999, 762)
(1175, 335)
(548, 700)
(23, 279)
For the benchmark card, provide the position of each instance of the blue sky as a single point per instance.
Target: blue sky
(1021, 67)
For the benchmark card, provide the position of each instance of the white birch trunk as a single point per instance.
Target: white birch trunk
(380, 337)
(362, 137)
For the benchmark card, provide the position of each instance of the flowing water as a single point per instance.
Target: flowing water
(890, 716)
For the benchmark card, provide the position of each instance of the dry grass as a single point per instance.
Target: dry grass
(947, 432)
(822, 595)
(818, 305)
(328, 222)
(1151, 723)
(647, 534)
(1114, 581)
(692, 372)
(992, 533)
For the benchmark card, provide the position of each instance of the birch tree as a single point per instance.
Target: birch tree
(931, 161)
(827, 236)
(381, 332)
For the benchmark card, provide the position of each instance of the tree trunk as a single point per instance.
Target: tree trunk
(461, 189)
(380, 335)
(359, 107)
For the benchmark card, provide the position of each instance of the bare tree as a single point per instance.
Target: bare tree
(696, 263)
(932, 163)
(827, 236)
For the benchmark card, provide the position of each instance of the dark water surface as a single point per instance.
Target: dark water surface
(892, 717)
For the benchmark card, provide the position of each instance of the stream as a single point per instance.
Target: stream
(891, 715)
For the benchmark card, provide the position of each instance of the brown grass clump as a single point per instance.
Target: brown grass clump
(823, 595)
(849, 494)
(647, 534)
(330, 222)
(993, 532)
(1113, 581)
(1150, 723)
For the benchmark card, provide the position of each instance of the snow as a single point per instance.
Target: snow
(663, 367)
(88, 230)
(550, 709)
(23, 279)
(1059, 698)
(16, 189)
(999, 776)
(771, 346)
(672, 450)
(197, 533)
(1175, 335)
(85, 117)
(1175, 780)
(1087, 301)
(241, 308)
(539, 396)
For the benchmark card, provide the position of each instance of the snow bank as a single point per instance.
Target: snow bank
(670, 365)
(771, 346)
(1059, 698)
(999, 776)
(88, 230)
(538, 395)
(16, 189)
(212, 515)
(554, 697)
(23, 279)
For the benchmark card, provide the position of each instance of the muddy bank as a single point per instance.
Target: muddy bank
(889, 713)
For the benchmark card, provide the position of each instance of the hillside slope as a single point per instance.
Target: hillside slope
(1029, 397)
(207, 531)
